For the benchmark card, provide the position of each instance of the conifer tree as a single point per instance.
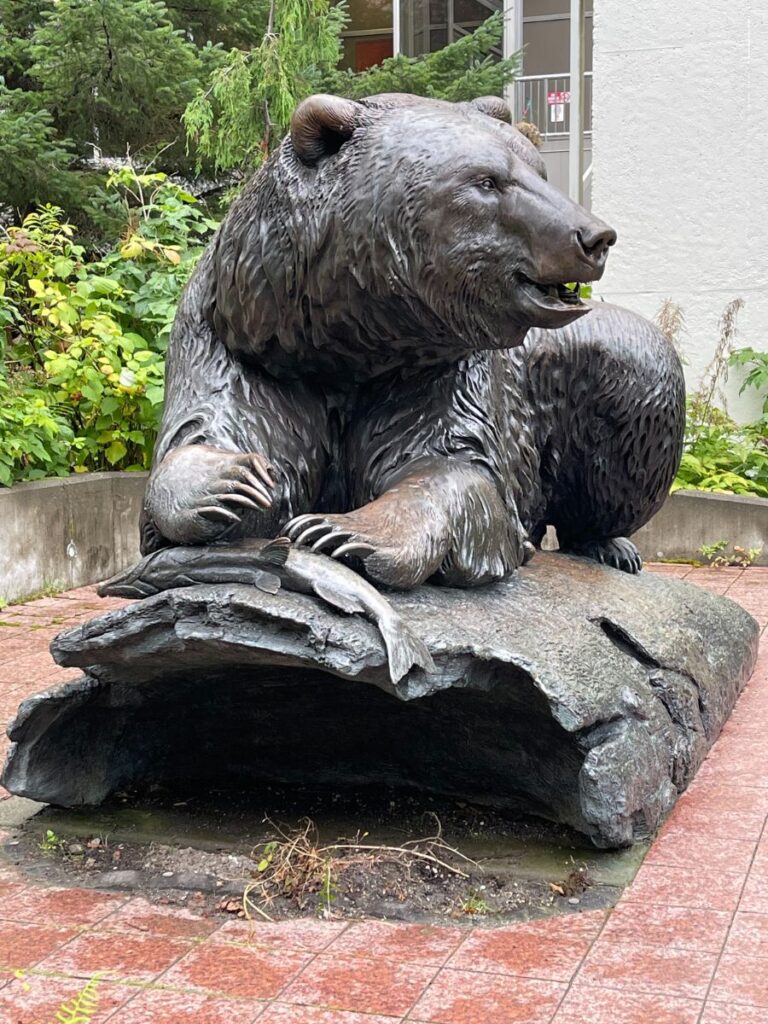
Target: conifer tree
(114, 72)
(463, 70)
(246, 108)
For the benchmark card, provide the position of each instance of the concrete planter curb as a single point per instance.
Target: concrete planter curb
(73, 531)
(68, 532)
(690, 519)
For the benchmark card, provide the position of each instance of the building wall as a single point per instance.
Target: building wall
(680, 149)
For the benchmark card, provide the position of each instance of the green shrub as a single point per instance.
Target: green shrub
(757, 374)
(83, 342)
(721, 455)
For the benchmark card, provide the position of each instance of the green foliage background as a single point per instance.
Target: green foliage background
(83, 341)
(92, 261)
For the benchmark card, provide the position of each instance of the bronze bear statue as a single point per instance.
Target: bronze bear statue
(382, 354)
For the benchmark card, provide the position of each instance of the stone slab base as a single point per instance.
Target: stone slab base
(571, 691)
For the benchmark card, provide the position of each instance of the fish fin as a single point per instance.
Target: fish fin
(276, 552)
(267, 582)
(404, 648)
(343, 602)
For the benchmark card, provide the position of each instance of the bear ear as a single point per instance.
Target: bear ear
(321, 124)
(493, 106)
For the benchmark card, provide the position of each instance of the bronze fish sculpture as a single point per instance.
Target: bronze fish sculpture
(268, 565)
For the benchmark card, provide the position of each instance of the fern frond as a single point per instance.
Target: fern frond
(83, 1008)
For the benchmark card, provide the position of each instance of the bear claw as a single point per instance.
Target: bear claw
(296, 525)
(359, 548)
(331, 538)
(310, 531)
(303, 528)
(618, 552)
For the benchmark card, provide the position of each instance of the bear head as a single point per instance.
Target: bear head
(398, 231)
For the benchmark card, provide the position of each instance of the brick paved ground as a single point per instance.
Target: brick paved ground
(687, 943)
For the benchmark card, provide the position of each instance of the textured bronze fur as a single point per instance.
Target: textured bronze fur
(356, 347)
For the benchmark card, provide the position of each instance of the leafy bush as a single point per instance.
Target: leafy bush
(757, 375)
(719, 454)
(83, 342)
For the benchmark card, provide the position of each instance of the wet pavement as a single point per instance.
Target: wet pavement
(687, 942)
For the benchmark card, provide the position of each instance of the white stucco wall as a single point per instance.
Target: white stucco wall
(680, 151)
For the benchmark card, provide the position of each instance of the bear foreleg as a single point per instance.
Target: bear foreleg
(441, 518)
(199, 492)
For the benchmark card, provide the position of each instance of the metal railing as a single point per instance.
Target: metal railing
(544, 100)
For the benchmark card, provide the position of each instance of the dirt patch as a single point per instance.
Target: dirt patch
(291, 852)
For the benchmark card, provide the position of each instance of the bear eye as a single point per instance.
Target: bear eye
(488, 185)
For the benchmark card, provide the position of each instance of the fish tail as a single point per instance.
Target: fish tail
(127, 583)
(404, 648)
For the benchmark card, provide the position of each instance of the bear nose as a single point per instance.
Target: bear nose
(594, 241)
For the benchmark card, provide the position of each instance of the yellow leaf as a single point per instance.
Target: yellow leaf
(132, 248)
(172, 256)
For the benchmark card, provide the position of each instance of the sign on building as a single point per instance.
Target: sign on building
(556, 102)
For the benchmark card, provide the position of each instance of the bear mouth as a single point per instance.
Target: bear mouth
(549, 305)
(567, 294)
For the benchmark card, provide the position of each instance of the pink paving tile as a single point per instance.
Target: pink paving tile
(679, 847)
(58, 906)
(586, 1004)
(84, 594)
(727, 1013)
(679, 927)
(33, 999)
(11, 888)
(754, 899)
(282, 1013)
(668, 569)
(10, 876)
(740, 979)
(714, 586)
(749, 936)
(139, 916)
(465, 997)
(305, 936)
(412, 943)
(755, 896)
(23, 945)
(653, 969)
(667, 886)
(717, 798)
(760, 863)
(158, 1007)
(236, 971)
(734, 762)
(740, 741)
(754, 603)
(136, 958)
(29, 669)
(355, 983)
(550, 949)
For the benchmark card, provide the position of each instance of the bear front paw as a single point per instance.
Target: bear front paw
(199, 492)
(341, 536)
